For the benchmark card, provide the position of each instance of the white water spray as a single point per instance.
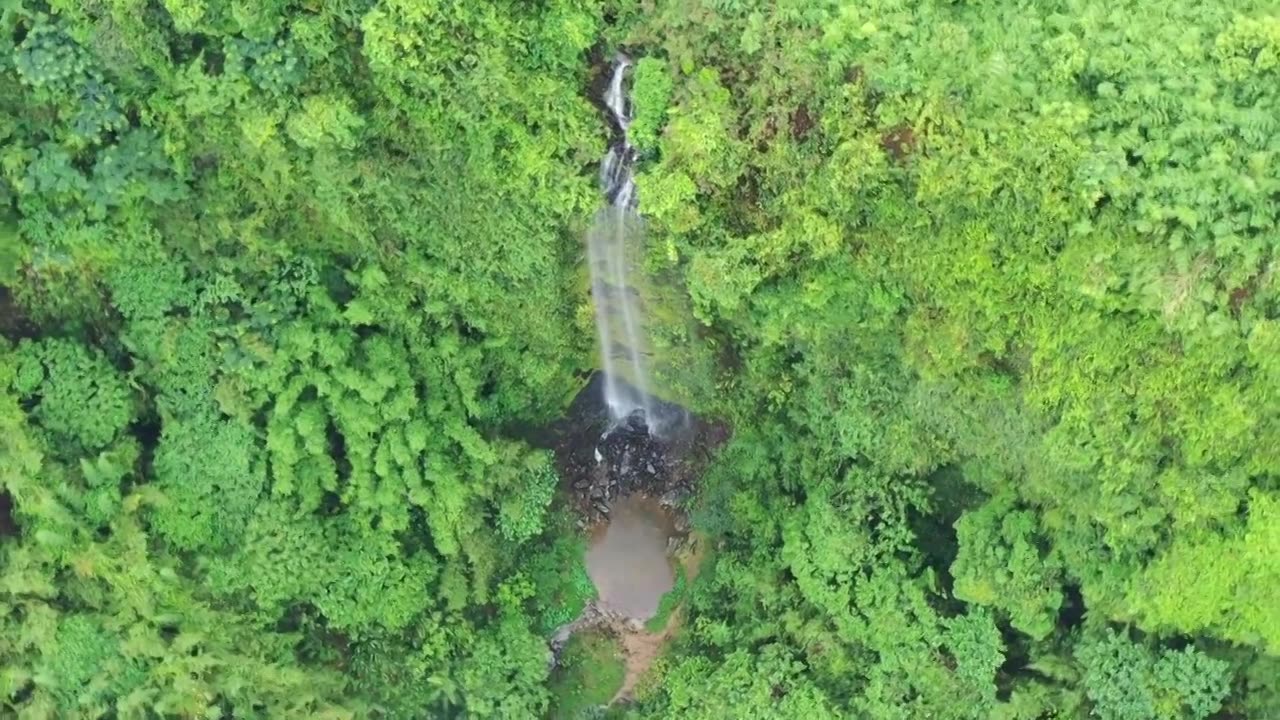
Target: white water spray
(613, 251)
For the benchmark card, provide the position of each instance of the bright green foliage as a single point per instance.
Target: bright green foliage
(986, 293)
(1236, 582)
(557, 572)
(771, 685)
(1000, 564)
(102, 476)
(75, 395)
(651, 88)
(97, 622)
(522, 512)
(86, 665)
(1126, 680)
(143, 291)
(1027, 244)
(276, 408)
(211, 480)
(977, 647)
(504, 670)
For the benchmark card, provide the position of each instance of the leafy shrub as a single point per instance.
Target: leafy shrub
(521, 512)
(75, 394)
(651, 89)
(1128, 681)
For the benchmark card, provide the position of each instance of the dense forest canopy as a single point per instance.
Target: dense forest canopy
(989, 293)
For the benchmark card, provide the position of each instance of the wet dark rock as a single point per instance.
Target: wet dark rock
(593, 617)
(602, 508)
(682, 523)
(600, 461)
(675, 497)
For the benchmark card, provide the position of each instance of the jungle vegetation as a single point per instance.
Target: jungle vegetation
(988, 292)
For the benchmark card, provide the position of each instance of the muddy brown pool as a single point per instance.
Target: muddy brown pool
(627, 557)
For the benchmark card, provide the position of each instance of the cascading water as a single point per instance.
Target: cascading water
(613, 246)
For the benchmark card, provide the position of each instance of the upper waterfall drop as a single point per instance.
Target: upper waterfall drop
(615, 170)
(613, 252)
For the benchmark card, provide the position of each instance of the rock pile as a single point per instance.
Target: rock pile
(600, 462)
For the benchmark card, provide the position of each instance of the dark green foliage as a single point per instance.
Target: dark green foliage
(272, 65)
(52, 176)
(50, 61)
(131, 170)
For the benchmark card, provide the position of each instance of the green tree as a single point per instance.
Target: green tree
(1127, 680)
(77, 397)
(1002, 563)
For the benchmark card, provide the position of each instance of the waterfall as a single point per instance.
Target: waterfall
(613, 253)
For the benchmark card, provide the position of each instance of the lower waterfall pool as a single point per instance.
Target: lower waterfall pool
(627, 556)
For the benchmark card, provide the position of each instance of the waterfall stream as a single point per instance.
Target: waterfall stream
(613, 253)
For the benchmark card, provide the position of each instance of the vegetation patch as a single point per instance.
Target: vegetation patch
(562, 587)
(590, 673)
(668, 604)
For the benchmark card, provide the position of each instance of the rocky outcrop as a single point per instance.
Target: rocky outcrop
(594, 617)
(600, 462)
